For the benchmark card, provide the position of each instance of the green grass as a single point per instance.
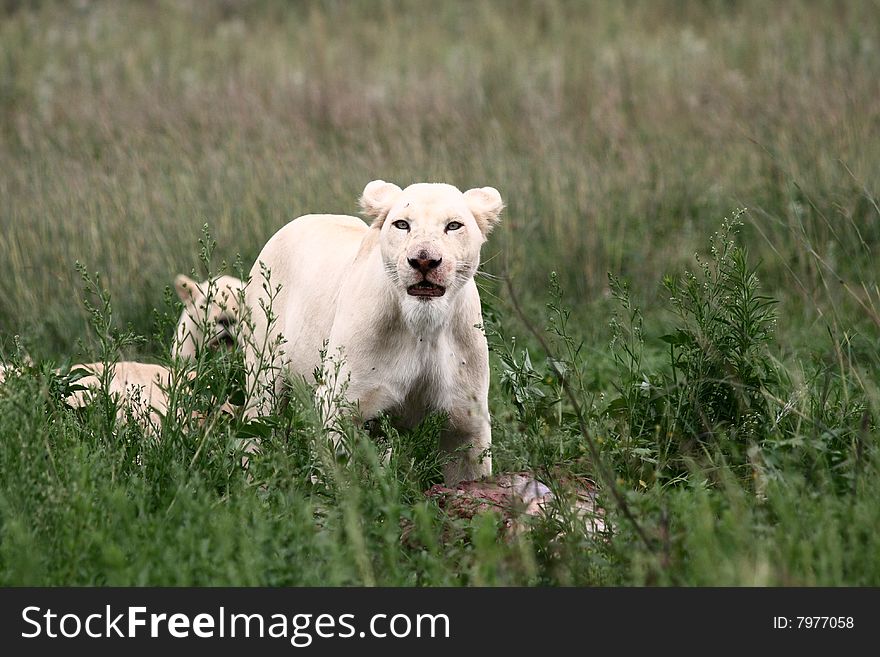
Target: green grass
(621, 134)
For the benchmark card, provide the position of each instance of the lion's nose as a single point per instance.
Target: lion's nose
(424, 263)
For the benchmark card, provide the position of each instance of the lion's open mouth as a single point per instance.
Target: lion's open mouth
(426, 289)
(222, 341)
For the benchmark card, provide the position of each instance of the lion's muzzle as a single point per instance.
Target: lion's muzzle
(424, 263)
(426, 289)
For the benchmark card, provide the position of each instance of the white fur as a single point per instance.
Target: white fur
(142, 389)
(210, 307)
(14, 369)
(345, 283)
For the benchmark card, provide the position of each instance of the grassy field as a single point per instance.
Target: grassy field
(724, 363)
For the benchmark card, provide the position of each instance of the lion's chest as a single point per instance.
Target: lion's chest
(416, 376)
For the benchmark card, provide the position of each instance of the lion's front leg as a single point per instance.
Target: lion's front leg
(345, 392)
(467, 440)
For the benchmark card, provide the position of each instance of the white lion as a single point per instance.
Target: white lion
(396, 300)
(210, 308)
(140, 388)
(14, 369)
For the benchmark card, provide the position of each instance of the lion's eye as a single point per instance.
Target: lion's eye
(453, 225)
(401, 224)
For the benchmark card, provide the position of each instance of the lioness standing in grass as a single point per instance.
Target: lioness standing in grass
(396, 304)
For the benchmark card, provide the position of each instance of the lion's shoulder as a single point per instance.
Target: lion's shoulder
(328, 222)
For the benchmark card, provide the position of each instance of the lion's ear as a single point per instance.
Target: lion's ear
(378, 198)
(486, 205)
(186, 288)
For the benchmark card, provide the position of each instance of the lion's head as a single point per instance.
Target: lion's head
(430, 236)
(210, 315)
